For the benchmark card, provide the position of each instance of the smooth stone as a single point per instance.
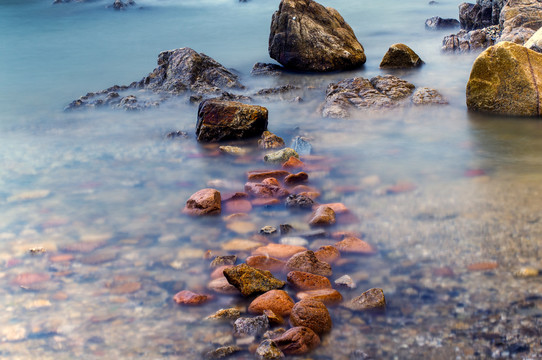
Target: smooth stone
(241, 227)
(280, 251)
(237, 206)
(259, 175)
(187, 297)
(306, 281)
(312, 314)
(293, 163)
(352, 244)
(400, 56)
(299, 340)
(323, 216)
(240, 245)
(266, 190)
(329, 297)
(222, 286)
(280, 156)
(253, 326)
(264, 262)
(251, 281)
(294, 179)
(370, 300)
(204, 202)
(328, 253)
(345, 281)
(297, 201)
(308, 262)
(278, 301)
(268, 230)
(268, 350)
(219, 271)
(338, 208)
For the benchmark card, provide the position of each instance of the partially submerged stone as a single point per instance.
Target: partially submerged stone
(309, 37)
(506, 79)
(222, 352)
(187, 297)
(400, 56)
(306, 281)
(280, 251)
(438, 23)
(329, 297)
(280, 156)
(225, 314)
(352, 244)
(323, 216)
(312, 314)
(265, 262)
(250, 281)
(268, 350)
(270, 141)
(298, 340)
(428, 96)
(278, 301)
(204, 202)
(308, 262)
(220, 120)
(253, 326)
(370, 300)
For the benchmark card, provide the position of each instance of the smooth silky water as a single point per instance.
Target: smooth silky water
(112, 176)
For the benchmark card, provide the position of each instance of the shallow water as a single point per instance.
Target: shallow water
(112, 178)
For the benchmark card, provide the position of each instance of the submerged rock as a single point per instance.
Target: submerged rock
(203, 202)
(254, 326)
(268, 350)
(222, 352)
(280, 156)
(306, 36)
(506, 79)
(438, 23)
(370, 300)
(400, 56)
(298, 340)
(229, 120)
(270, 141)
(302, 145)
(251, 281)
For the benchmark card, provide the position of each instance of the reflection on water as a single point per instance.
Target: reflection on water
(101, 191)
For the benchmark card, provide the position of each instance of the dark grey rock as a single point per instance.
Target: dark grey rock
(253, 326)
(299, 202)
(438, 23)
(222, 352)
(263, 69)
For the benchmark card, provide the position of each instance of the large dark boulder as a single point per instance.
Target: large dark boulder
(229, 120)
(307, 36)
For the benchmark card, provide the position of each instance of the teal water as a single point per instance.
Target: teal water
(112, 176)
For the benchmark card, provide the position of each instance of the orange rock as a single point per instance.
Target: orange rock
(303, 188)
(234, 196)
(264, 262)
(329, 297)
(265, 191)
(187, 297)
(203, 202)
(293, 163)
(278, 301)
(273, 318)
(293, 179)
(339, 235)
(281, 251)
(323, 216)
(310, 194)
(61, 258)
(339, 208)
(237, 206)
(265, 201)
(483, 266)
(328, 253)
(306, 281)
(354, 245)
(259, 175)
(312, 314)
(219, 271)
(271, 181)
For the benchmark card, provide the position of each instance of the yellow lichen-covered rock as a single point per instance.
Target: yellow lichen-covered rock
(506, 79)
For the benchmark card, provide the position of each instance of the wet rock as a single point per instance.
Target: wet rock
(470, 17)
(392, 86)
(506, 79)
(187, 297)
(299, 202)
(438, 23)
(221, 285)
(222, 260)
(280, 251)
(427, 96)
(306, 36)
(293, 179)
(264, 262)
(120, 5)
(297, 341)
(280, 156)
(219, 271)
(302, 145)
(237, 206)
(400, 56)
(312, 314)
(233, 150)
(308, 262)
(204, 202)
(259, 175)
(270, 141)
(278, 301)
(27, 279)
(240, 245)
(274, 319)
(483, 266)
(323, 216)
(99, 257)
(527, 272)
(285, 229)
(222, 352)
(176, 134)
(370, 300)
(225, 314)
(352, 244)
(241, 227)
(328, 253)
(254, 326)
(286, 92)
(330, 297)
(306, 281)
(535, 42)
(346, 281)
(250, 280)
(268, 350)
(520, 19)
(220, 120)
(265, 190)
(260, 69)
(293, 163)
(271, 181)
(465, 41)
(265, 202)
(268, 230)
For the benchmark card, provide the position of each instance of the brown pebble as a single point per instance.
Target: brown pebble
(203, 202)
(312, 314)
(259, 175)
(271, 181)
(280, 251)
(323, 216)
(329, 297)
(293, 179)
(306, 281)
(187, 297)
(293, 163)
(265, 201)
(308, 262)
(338, 208)
(354, 245)
(278, 301)
(237, 206)
(483, 266)
(265, 191)
(219, 271)
(264, 262)
(328, 253)
(297, 341)
(370, 300)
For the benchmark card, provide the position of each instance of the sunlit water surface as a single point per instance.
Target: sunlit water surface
(112, 177)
